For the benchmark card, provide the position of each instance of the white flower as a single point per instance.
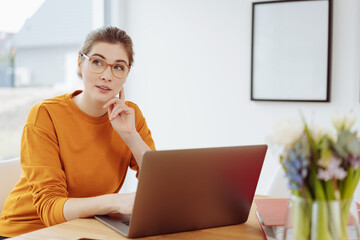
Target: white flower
(318, 132)
(287, 131)
(337, 120)
(349, 121)
(343, 121)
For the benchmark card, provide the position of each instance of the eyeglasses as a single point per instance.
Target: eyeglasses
(98, 65)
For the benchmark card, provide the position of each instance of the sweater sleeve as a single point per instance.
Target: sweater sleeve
(145, 133)
(42, 167)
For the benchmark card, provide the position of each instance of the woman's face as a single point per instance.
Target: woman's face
(103, 86)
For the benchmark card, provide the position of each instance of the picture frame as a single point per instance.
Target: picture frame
(291, 50)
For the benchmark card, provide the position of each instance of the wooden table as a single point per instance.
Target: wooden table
(90, 228)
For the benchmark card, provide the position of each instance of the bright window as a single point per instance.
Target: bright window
(38, 58)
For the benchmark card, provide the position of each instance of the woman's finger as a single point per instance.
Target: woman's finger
(118, 110)
(122, 94)
(113, 100)
(116, 113)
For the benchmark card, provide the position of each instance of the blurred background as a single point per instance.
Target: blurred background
(191, 75)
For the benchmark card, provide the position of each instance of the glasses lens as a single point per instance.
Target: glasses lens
(97, 65)
(120, 70)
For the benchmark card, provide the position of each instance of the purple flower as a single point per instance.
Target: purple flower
(353, 161)
(332, 171)
(296, 164)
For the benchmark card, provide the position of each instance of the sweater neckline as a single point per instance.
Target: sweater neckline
(69, 100)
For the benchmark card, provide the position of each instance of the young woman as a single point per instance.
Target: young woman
(76, 148)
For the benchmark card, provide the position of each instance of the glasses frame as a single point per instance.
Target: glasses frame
(106, 66)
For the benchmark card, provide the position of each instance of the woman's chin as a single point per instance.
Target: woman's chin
(104, 97)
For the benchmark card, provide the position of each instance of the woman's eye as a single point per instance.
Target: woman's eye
(98, 62)
(119, 68)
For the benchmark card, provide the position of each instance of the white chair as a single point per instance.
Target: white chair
(10, 172)
(278, 186)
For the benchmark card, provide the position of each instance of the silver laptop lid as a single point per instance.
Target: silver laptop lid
(181, 190)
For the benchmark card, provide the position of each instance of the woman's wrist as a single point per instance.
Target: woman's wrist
(137, 146)
(114, 202)
(88, 207)
(131, 139)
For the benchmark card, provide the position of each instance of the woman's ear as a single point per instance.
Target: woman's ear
(79, 66)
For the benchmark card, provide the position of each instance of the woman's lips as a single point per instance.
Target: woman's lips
(103, 89)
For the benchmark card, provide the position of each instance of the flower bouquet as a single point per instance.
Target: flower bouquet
(323, 170)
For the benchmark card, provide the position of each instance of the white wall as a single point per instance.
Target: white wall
(191, 76)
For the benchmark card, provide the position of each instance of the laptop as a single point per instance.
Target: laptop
(190, 189)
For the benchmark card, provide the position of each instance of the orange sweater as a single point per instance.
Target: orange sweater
(65, 154)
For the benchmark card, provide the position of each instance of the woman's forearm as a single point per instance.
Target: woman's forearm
(87, 207)
(137, 146)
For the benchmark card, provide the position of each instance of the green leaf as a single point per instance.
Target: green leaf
(354, 147)
(342, 142)
(330, 190)
(346, 185)
(319, 190)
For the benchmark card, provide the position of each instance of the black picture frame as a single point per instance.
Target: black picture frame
(291, 50)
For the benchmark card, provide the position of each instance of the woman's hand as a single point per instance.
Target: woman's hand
(101, 205)
(125, 203)
(122, 119)
(121, 116)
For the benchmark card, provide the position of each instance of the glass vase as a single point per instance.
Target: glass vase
(321, 220)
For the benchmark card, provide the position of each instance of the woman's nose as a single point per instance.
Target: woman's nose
(107, 74)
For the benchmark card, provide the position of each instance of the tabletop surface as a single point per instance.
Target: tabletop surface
(89, 229)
